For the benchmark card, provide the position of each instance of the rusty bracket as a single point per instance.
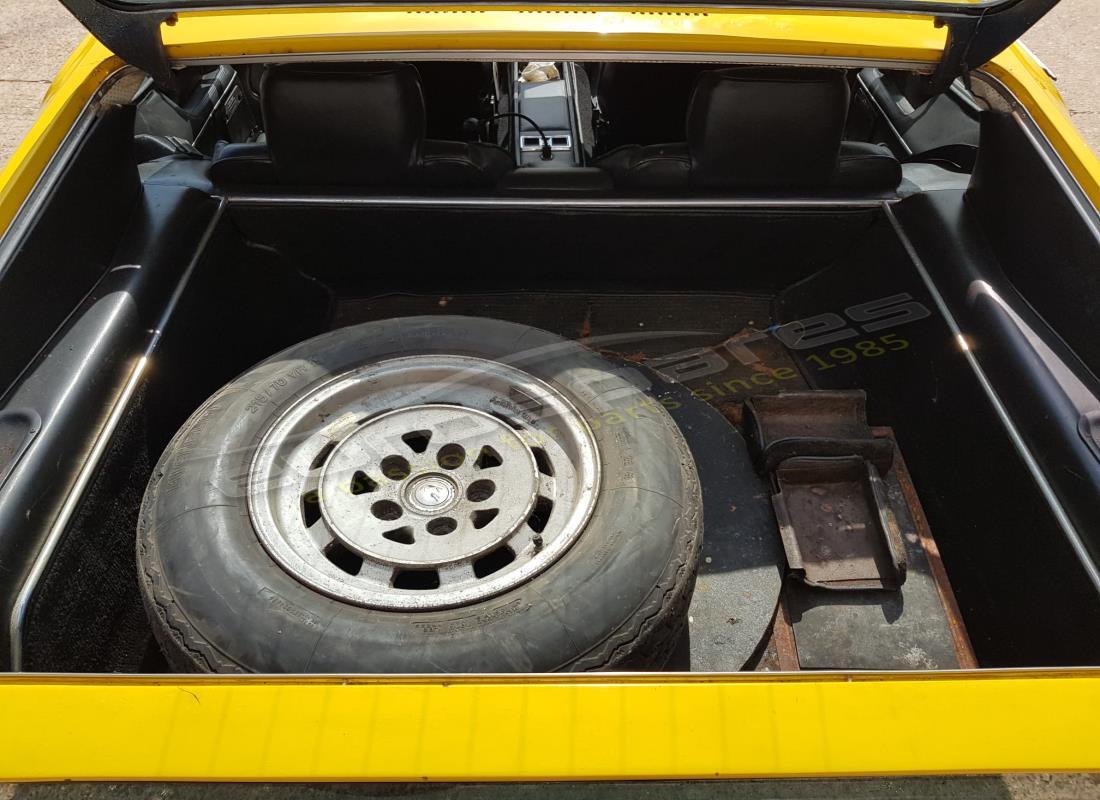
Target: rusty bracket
(822, 423)
(826, 466)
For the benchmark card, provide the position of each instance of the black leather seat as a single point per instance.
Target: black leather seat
(454, 92)
(764, 129)
(352, 125)
(641, 102)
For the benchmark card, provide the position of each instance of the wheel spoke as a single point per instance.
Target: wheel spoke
(408, 486)
(452, 574)
(375, 572)
(547, 486)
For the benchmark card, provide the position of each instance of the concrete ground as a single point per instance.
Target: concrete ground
(1068, 41)
(35, 38)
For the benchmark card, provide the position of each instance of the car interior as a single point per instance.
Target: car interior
(740, 229)
(644, 127)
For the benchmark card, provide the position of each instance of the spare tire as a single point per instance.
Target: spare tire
(429, 494)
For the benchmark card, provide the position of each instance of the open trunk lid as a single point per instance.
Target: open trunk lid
(977, 29)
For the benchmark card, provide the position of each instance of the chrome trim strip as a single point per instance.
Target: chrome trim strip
(900, 8)
(556, 202)
(527, 146)
(1050, 155)
(560, 55)
(1066, 179)
(1014, 435)
(882, 113)
(99, 447)
(637, 678)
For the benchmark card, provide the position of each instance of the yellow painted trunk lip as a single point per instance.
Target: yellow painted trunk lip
(535, 728)
(97, 727)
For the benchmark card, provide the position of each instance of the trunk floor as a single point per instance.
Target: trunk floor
(715, 344)
(688, 336)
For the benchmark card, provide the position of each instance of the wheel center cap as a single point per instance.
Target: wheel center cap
(431, 493)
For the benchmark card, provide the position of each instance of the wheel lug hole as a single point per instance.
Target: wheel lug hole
(386, 510)
(441, 526)
(480, 490)
(396, 468)
(451, 456)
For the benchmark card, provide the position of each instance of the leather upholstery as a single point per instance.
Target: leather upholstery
(150, 147)
(640, 102)
(764, 129)
(866, 166)
(352, 125)
(658, 166)
(454, 91)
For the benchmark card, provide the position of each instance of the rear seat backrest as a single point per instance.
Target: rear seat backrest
(351, 125)
(762, 129)
(642, 102)
(773, 128)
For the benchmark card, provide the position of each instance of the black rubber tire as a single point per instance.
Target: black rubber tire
(617, 598)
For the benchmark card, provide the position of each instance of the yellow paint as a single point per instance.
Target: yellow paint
(839, 35)
(224, 34)
(533, 728)
(842, 35)
(546, 728)
(82, 74)
(1036, 92)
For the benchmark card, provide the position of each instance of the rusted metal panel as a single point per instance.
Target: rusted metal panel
(837, 526)
(834, 518)
(912, 628)
(964, 651)
(918, 626)
(824, 424)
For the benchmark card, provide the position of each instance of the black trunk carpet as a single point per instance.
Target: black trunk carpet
(87, 614)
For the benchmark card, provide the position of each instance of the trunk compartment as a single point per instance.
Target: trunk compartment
(929, 302)
(699, 294)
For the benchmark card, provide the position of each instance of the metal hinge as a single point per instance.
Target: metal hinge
(973, 40)
(134, 36)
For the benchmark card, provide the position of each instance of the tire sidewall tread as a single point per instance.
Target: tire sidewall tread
(643, 634)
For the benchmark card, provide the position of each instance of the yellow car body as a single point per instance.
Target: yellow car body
(539, 727)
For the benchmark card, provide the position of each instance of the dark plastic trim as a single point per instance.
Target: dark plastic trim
(131, 33)
(972, 42)
(922, 7)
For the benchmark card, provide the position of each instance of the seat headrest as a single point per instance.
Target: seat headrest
(357, 123)
(766, 127)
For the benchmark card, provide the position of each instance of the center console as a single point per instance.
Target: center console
(550, 131)
(545, 103)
